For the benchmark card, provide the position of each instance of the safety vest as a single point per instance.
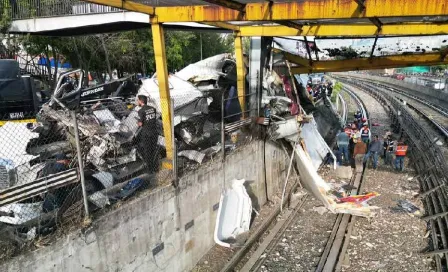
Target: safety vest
(401, 150)
(365, 133)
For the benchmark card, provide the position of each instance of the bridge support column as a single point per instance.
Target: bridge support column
(164, 90)
(240, 71)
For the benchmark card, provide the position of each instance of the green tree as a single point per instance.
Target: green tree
(126, 52)
(5, 23)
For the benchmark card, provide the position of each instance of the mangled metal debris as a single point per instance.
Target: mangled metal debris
(211, 73)
(108, 130)
(310, 150)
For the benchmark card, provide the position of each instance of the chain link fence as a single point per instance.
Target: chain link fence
(208, 127)
(40, 188)
(86, 149)
(43, 190)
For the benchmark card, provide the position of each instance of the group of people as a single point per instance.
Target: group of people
(318, 91)
(355, 146)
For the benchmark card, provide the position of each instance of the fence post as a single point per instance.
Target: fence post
(223, 136)
(175, 166)
(80, 163)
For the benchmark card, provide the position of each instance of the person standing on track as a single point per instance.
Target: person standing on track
(148, 136)
(365, 133)
(343, 141)
(351, 150)
(388, 146)
(358, 115)
(400, 154)
(374, 151)
(359, 152)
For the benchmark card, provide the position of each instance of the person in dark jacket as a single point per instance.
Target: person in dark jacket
(388, 147)
(351, 149)
(148, 137)
(375, 148)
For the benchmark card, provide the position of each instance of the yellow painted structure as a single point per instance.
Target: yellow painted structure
(301, 10)
(165, 98)
(371, 63)
(240, 72)
(350, 30)
(354, 19)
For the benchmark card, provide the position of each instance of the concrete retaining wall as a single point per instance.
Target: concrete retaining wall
(435, 96)
(165, 229)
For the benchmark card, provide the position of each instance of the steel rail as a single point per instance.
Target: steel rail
(441, 129)
(334, 252)
(425, 156)
(400, 90)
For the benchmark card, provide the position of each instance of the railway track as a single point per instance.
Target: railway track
(436, 115)
(334, 251)
(431, 166)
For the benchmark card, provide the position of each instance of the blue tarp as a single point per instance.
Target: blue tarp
(43, 61)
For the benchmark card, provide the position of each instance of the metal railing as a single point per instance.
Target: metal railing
(227, 125)
(29, 9)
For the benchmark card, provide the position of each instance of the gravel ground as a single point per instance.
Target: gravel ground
(218, 256)
(390, 240)
(387, 242)
(303, 242)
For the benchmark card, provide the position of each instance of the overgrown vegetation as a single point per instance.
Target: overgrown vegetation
(337, 88)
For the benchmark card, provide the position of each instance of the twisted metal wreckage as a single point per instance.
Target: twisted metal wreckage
(108, 129)
(289, 116)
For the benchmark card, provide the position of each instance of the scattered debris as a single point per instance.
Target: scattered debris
(409, 207)
(234, 214)
(320, 210)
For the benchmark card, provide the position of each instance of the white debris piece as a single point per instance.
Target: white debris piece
(31, 234)
(23, 212)
(192, 155)
(235, 209)
(204, 70)
(182, 92)
(320, 210)
(13, 147)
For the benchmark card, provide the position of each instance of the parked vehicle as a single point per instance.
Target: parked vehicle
(21, 101)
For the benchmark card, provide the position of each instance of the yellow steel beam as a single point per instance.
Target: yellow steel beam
(296, 59)
(372, 63)
(351, 30)
(228, 4)
(164, 90)
(224, 25)
(240, 72)
(125, 4)
(303, 10)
